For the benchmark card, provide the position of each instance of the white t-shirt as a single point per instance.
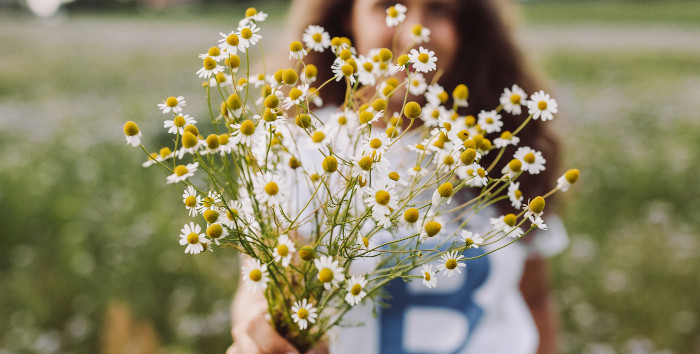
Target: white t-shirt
(480, 311)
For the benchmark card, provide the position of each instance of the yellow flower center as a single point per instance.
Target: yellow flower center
(481, 172)
(468, 242)
(295, 46)
(489, 120)
(223, 139)
(515, 98)
(215, 230)
(468, 156)
(303, 120)
(451, 263)
(325, 275)
(180, 170)
(342, 120)
(179, 121)
(427, 276)
(572, 175)
(131, 129)
(211, 216)
(232, 40)
(402, 60)
(247, 127)
(537, 205)
(171, 101)
(542, 105)
(375, 143)
(443, 96)
(435, 114)
(368, 66)
(250, 12)
(356, 289)
(246, 33)
(382, 197)
(510, 220)
(345, 54)
(394, 176)
(366, 117)
(317, 37)
(282, 250)
(165, 152)
(271, 101)
(209, 63)
(417, 29)
(518, 194)
(213, 141)
(347, 69)
(191, 201)
(193, 238)
(330, 164)
(189, 140)
(271, 188)
(302, 313)
(423, 58)
(392, 12)
(432, 228)
(208, 201)
(449, 160)
(411, 215)
(506, 135)
(255, 275)
(289, 77)
(461, 92)
(214, 52)
(318, 136)
(529, 158)
(515, 165)
(385, 54)
(230, 214)
(445, 190)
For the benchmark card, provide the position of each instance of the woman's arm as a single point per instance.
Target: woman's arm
(536, 291)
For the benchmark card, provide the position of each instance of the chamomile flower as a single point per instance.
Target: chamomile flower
(316, 38)
(284, 250)
(247, 36)
(172, 104)
(429, 277)
(395, 15)
(431, 114)
(297, 96)
(234, 211)
(191, 200)
(255, 275)
(132, 133)
(177, 125)
(532, 160)
(534, 210)
(423, 60)
(451, 263)
(190, 235)
(417, 86)
(251, 16)
(515, 195)
(490, 121)
(446, 159)
(214, 53)
(506, 139)
(471, 240)
(430, 229)
(163, 155)
(296, 50)
(341, 69)
(512, 169)
(319, 139)
(376, 144)
(329, 272)
(216, 231)
(211, 201)
(475, 175)
(542, 106)
(361, 166)
(209, 68)
(245, 133)
(229, 43)
(506, 224)
(366, 71)
(436, 95)
(511, 99)
(303, 313)
(355, 288)
(270, 189)
(382, 200)
(443, 194)
(343, 122)
(567, 179)
(258, 81)
(182, 172)
(393, 178)
(366, 118)
(420, 34)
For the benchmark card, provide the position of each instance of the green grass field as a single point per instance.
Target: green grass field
(85, 230)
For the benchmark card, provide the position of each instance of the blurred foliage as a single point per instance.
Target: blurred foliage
(89, 252)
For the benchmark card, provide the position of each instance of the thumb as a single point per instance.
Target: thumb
(267, 339)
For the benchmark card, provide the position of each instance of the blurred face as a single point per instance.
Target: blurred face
(369, 29)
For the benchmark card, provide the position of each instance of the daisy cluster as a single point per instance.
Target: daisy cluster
(304, 195)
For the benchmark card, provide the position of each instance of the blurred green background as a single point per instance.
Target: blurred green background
(89, 260)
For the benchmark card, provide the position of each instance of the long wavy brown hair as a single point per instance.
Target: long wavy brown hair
(490, 61)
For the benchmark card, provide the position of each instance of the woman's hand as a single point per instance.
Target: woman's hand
(252, 332)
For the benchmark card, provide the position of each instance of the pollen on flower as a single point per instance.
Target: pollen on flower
(211, 216)
(131, 129)
(382, 197)
(366, 117)
(392, 12)
(542, 105)
(192, 129)
(347, 69)
(432, 228)
(451, 263)
(214, 51)
(445, 190)
(403, 60)
(529, 158)
(345, 54)
(411, 215)
(171, 101)
(255, 275)
(310, 71)
(515, 165)
(385, 54)
(537, 205)
(510, 220)
(209, 63)
(213, 141)
(417, 29)
(365, 163)
(375, 143)
(318, 136)
(193, 238)
(295, 46)
(330, 164)
(289, 76)
(468, 156)
(247, 127)
(223, 139)
(325, 275)
(215, 230)
(394, 176)
(282, 250)
(180, 170)
(246, 33)
(303, 313)
(515, 98)
(379, 104)
(165, 151)
(572, 175)
(272, 188)
(461, 92)
(356, 289)
(191, 201)
(427, 276)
